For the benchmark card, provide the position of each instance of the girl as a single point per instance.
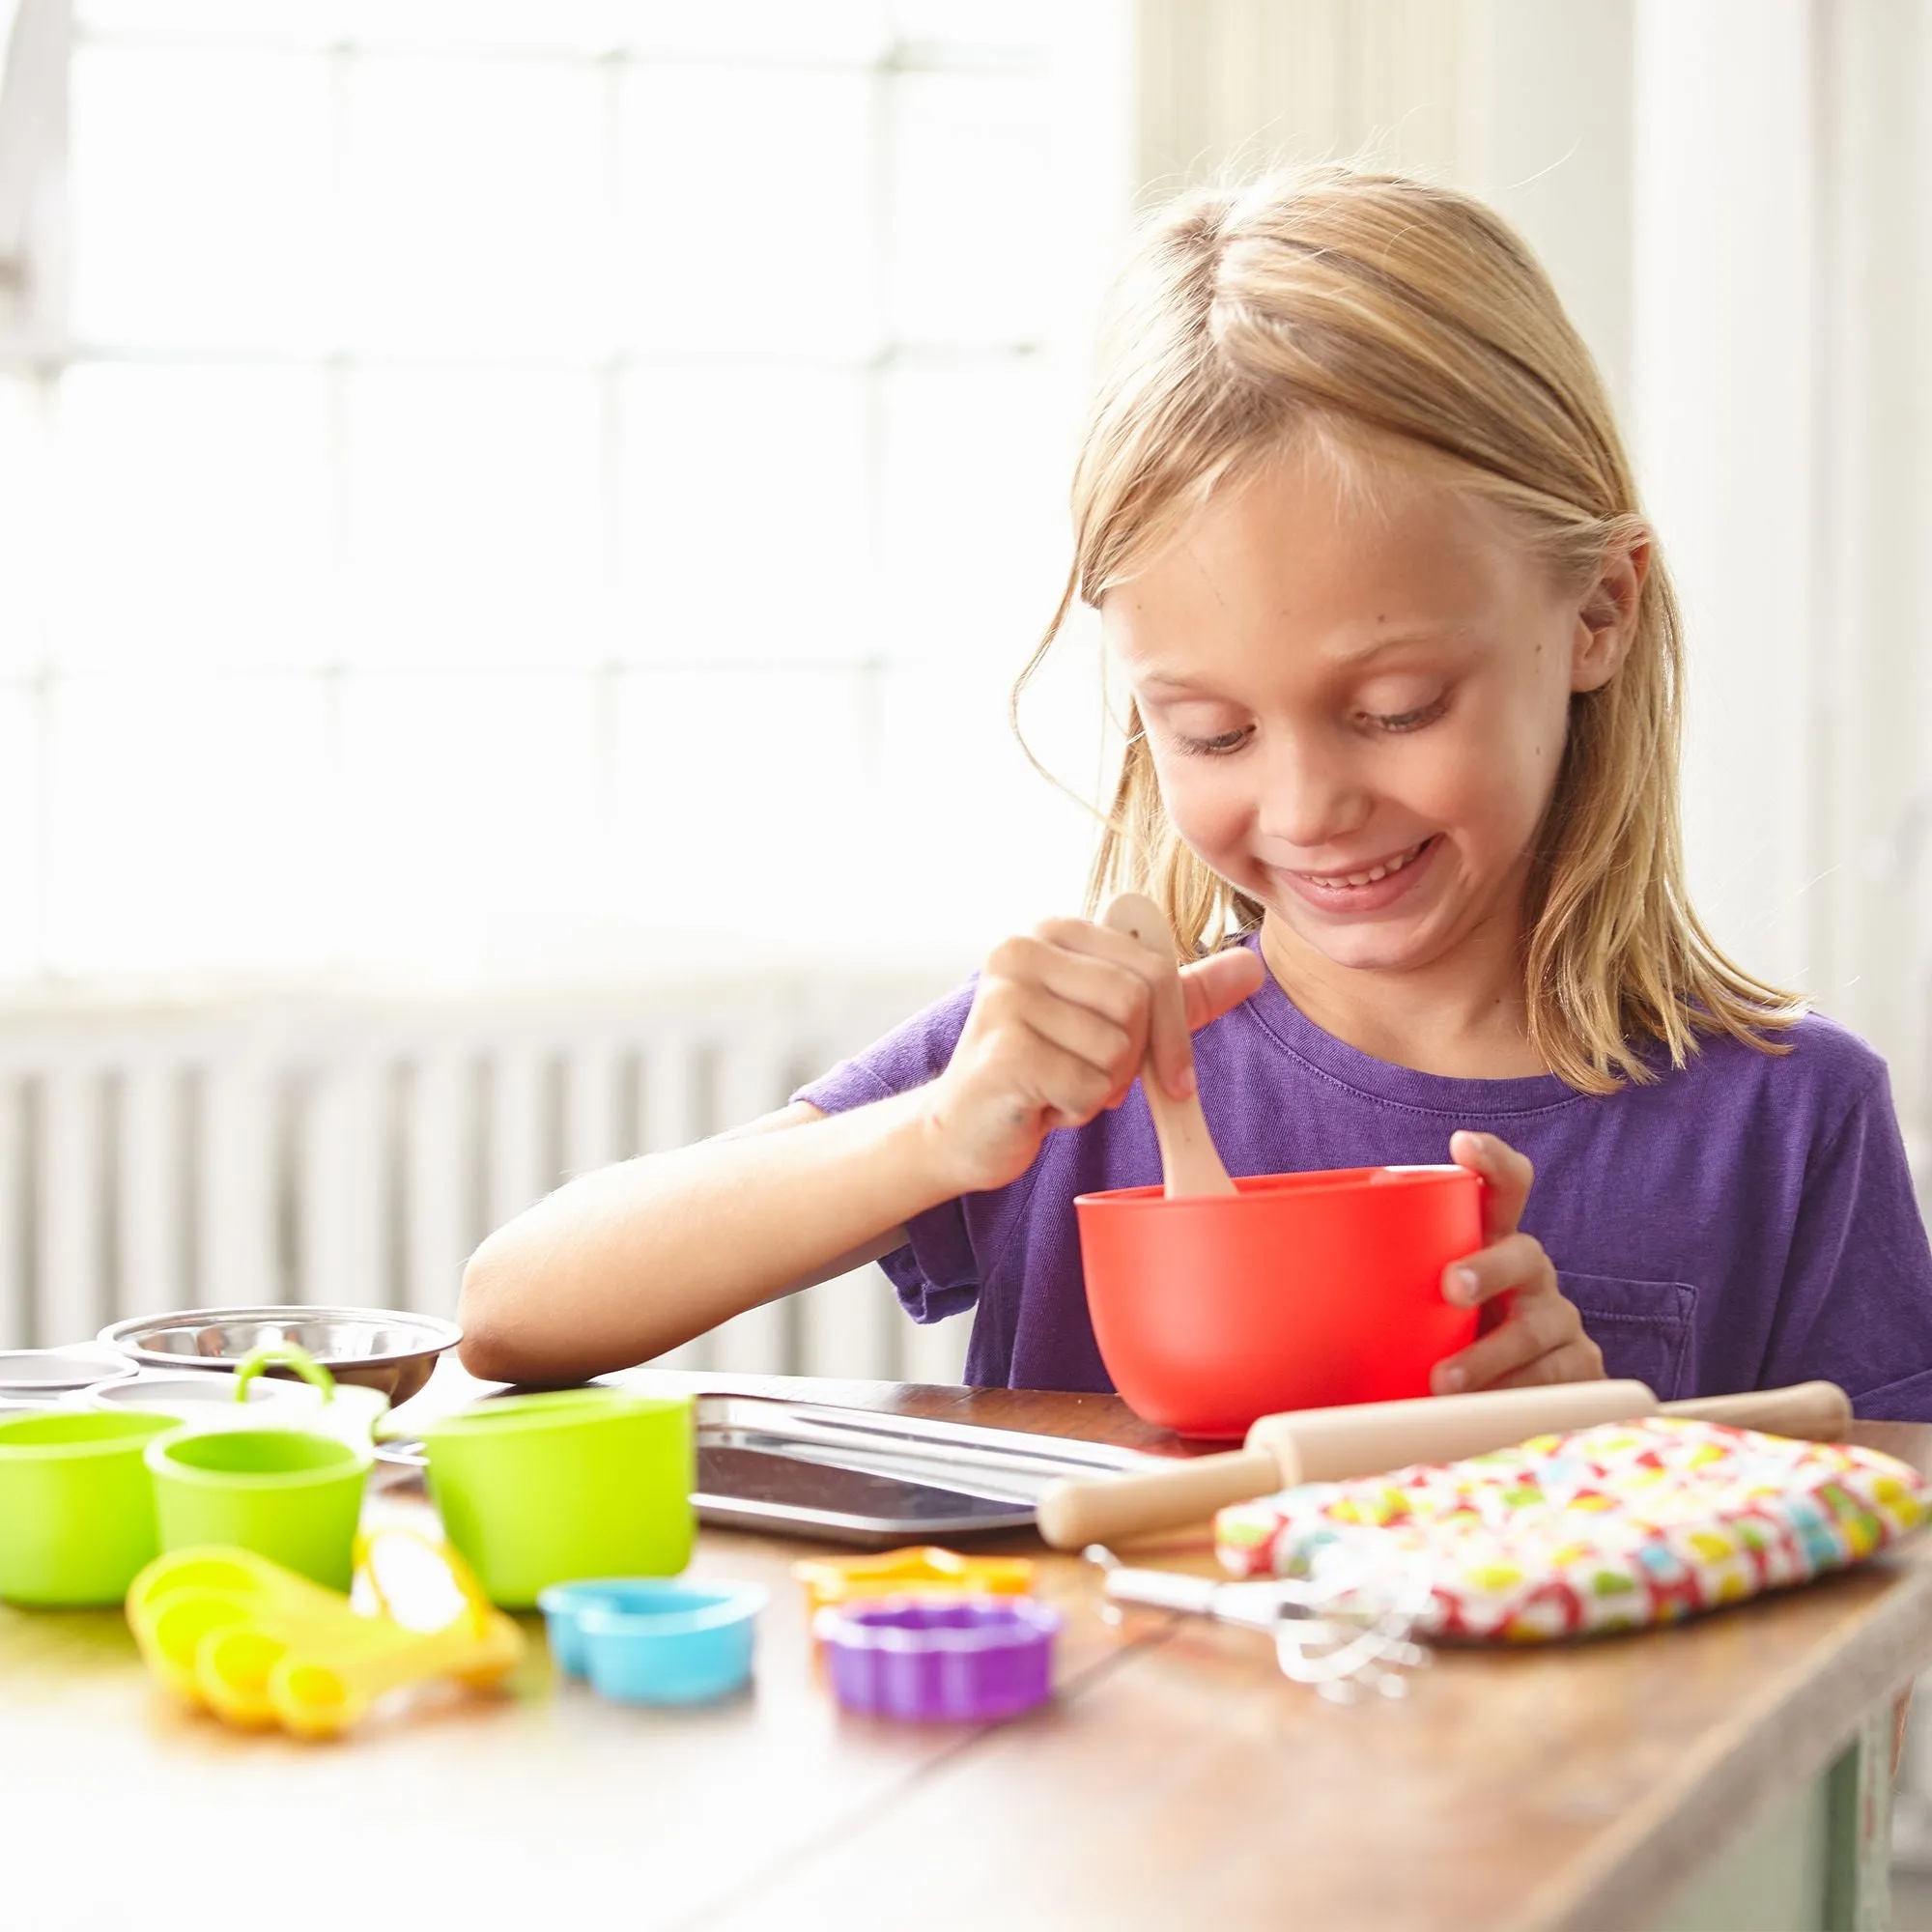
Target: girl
(1401, 769)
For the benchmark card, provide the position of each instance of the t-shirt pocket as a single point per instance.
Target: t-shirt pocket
(1643, 1328)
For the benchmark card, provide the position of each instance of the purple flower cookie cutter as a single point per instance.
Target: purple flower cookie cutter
(934, 1657)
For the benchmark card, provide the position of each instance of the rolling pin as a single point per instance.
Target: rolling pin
(1326, 1445)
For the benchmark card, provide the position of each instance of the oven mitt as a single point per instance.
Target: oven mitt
(1613, 1527)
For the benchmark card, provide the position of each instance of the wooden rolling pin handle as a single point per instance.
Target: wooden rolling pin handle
(1812, 1411)
(1075, 1514)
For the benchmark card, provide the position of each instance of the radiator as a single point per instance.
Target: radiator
(354, 1146)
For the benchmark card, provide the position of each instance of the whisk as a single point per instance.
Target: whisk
(1343, 1628)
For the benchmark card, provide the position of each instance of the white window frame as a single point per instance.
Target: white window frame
(39, 340)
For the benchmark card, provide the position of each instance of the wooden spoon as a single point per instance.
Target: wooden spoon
(1189, 1164)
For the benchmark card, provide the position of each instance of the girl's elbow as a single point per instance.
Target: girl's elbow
(486, 1313)
(484, 1354)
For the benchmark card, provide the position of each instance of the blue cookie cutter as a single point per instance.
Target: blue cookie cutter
(649, 1640)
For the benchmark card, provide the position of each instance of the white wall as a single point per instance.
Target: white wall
(1782, 248)
(1726, 263)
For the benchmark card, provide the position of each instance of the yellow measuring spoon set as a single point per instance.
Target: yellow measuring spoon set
(260, 1645)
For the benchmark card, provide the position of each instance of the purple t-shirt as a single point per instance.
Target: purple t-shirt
(1745, 1222)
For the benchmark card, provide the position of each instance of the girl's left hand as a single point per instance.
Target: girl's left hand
(1539, 1337)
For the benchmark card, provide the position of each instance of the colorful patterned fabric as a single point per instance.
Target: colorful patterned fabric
(1603, 1529)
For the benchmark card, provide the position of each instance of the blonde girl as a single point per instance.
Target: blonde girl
(1404, 670)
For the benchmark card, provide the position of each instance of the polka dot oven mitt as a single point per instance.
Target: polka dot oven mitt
(1608, 1528)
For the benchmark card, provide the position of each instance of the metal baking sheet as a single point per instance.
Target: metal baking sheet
(861, 1476)
(743, 1488)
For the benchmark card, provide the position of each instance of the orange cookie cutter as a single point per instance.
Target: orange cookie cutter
(917, 1571)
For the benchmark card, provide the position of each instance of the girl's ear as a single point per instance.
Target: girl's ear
(1606, 617)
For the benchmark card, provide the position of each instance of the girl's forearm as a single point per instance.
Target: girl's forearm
(621, 1264)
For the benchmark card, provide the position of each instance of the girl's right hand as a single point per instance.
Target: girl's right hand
(1060, 1023)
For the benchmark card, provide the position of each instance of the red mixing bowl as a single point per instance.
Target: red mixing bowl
(1298, 1291)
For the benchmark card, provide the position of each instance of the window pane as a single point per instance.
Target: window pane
(366, 264)
(739, 798)
(484, 23)
(825, 30)
(470, 829)
(971, 203)
(746, 223)
(473, 24)
(973, 522)
(200, 19)
(20, 935)
(1004, 26)
(185, 822)
(565, 24)
(474, 206)
(194, 517)
(746, 521)
(475, 522)
(975, 842)
(23, 517)
(200, 197)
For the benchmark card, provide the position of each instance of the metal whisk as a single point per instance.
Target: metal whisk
(1344, 1628)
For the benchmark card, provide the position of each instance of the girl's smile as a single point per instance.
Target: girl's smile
(1372, 888)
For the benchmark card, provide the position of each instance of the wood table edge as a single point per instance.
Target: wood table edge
(1715, 1791)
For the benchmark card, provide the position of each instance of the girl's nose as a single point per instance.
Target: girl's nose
(1309, 797)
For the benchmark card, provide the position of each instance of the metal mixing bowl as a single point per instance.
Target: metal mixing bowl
(31, 1375)
(374, 1347)
(193, 1392)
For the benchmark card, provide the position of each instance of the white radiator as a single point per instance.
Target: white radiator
(350, 1147)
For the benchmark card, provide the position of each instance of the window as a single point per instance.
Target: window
(543, 479)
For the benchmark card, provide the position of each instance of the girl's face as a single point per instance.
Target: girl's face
(1356, 699)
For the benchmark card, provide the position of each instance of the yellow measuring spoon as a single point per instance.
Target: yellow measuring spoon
(180, 1598)
(316, 1675)
(318, 1691)
(258, 1645)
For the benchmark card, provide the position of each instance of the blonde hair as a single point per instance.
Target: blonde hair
(1346, 308)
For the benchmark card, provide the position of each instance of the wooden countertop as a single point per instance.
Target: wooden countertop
(1176, 1779)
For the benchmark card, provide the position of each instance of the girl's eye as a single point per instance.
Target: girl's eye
(1218, 747)
(1409, 720)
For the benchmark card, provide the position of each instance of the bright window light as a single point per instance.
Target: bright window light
(549, 483)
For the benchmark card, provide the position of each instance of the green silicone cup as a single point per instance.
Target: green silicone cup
(290, 1496)
(536, 1490)
(77, 1505)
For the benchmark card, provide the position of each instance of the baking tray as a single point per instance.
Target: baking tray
(859, 1476)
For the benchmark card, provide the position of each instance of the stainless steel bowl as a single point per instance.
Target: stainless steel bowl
(32, 1376)
(373, 1348)
(193, 1391)
(205, 1398)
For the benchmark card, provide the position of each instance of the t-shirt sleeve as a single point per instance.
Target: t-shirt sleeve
(935, 1271)
(1856, 1301)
